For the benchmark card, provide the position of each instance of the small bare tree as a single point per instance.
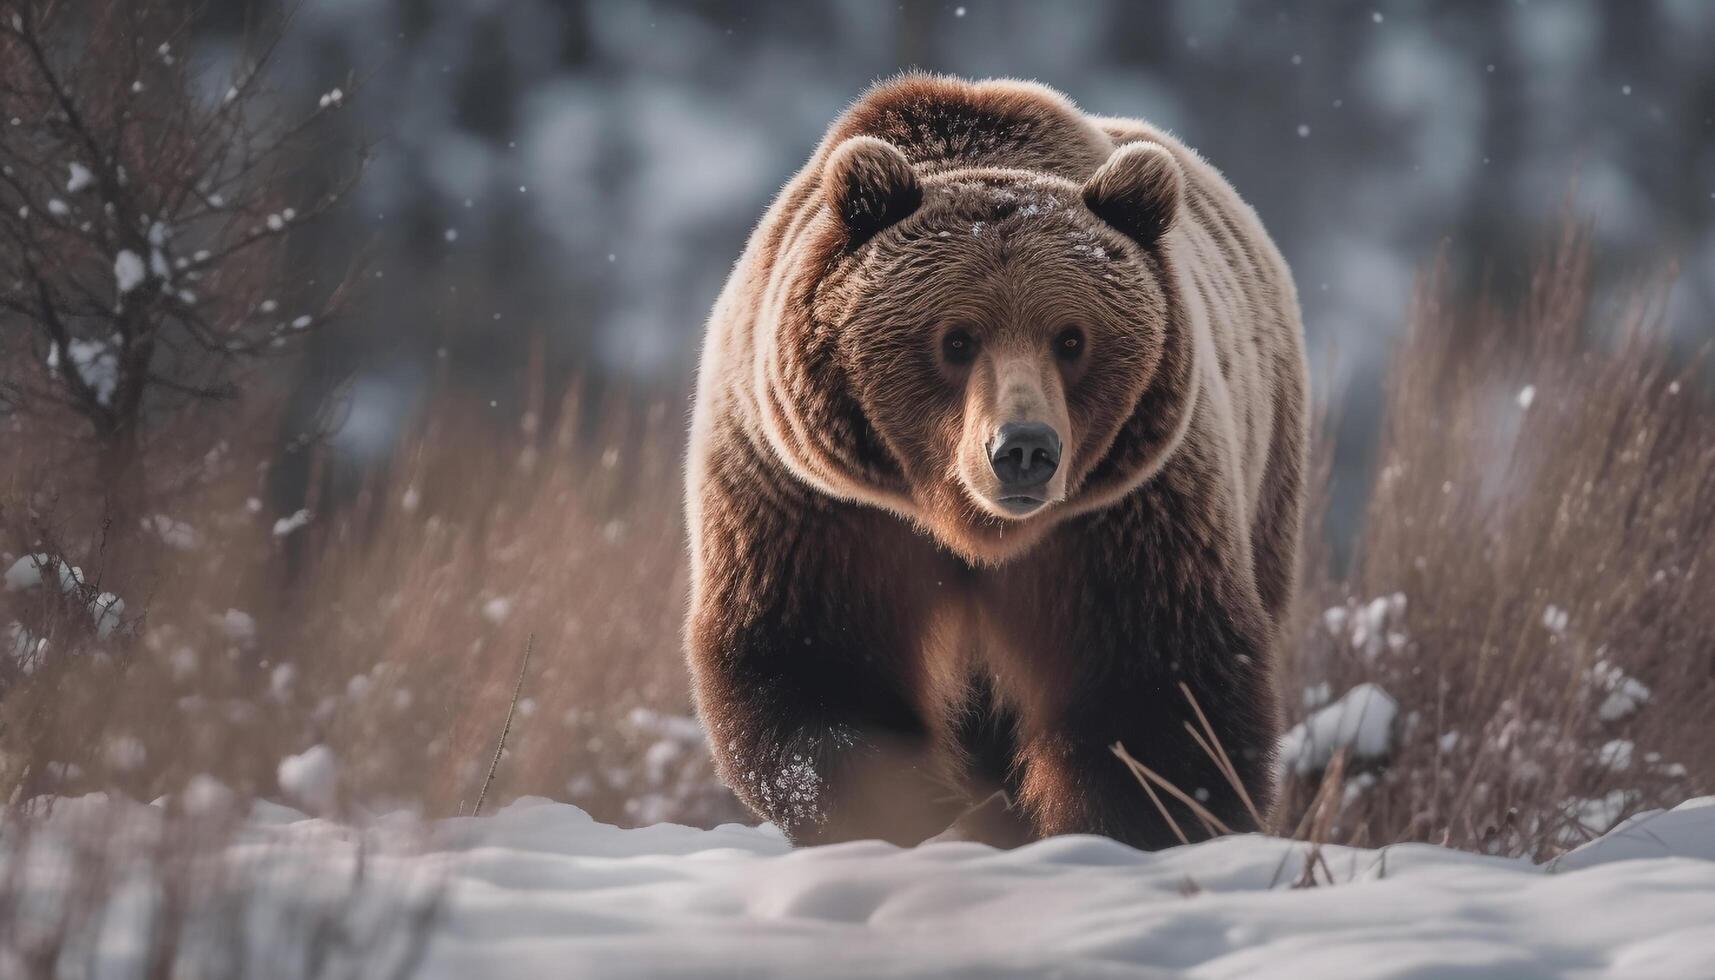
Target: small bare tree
(145, 202)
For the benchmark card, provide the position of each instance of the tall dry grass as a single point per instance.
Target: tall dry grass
(387, 627)
(1536, 552)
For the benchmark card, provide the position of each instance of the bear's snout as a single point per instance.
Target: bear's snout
(1024, 457)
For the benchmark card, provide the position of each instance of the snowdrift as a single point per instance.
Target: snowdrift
(538, 889)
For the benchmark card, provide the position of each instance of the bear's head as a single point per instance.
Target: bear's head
(994, 349)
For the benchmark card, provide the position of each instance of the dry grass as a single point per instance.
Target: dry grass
(389, 628)
(1539, 531)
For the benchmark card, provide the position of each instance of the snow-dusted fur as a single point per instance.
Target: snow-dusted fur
(876, 641)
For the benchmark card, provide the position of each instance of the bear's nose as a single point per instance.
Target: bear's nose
(1025, 455)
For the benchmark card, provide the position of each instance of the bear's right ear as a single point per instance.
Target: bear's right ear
(1137, 191)
(870, 187)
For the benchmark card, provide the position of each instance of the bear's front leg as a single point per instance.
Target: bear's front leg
(804, 643)
(1138, 604)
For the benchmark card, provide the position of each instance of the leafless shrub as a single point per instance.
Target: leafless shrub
(1531, 582)
(144, 204)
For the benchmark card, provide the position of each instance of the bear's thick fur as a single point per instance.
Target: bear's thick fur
(884, 630)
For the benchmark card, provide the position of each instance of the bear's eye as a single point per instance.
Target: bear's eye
(1069, 343)
(958, 346)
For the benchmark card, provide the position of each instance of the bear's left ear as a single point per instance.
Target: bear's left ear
(1137, 191)
(870, 187)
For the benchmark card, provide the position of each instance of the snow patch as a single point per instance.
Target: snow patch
(107, 610)
(497, 609)
(540, 890)
(26, 573)
(1622, 696)
(128, 271)
(125, 752)
(286, 525)
(96, 363)
(1360, 722)
(205, 796)
(1616, 754)
(311, 778)
(26, 648)
(174, 534)
(238, 625)
(1371, 629)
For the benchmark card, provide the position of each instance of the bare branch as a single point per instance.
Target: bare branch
(143, 224)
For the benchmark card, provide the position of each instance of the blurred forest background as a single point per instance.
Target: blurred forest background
(585, 172)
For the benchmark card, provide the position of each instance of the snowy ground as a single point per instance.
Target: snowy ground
(540, 890)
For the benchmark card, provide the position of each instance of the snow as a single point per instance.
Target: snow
(206, 796)
(1555, 620)
(1360, 722)
(96, 362)
(26, 648)
(79, 181)
(311, 778)
(238, 625)
(1688, 830)
(125, 752)
(1598, 814)
(286, 525)
(128, 271)
(497, 609)
(539, 890)
(174, 534)
(108, 611)
(280, 681)
(1622, 695)
(665, 726)
(26, 573)
(1616, 754)
(1371, 628)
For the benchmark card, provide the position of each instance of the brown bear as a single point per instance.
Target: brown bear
(999, 440)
